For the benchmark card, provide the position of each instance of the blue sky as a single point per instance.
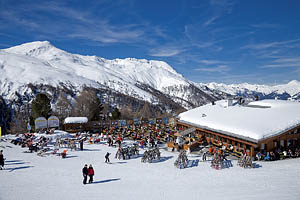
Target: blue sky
(227, 41)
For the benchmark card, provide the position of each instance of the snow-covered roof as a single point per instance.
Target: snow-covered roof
(76, 120)
(256, 121)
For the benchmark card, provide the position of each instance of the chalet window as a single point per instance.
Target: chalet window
(282, 143)
(296, 142)
(262, 146)
(248, 147)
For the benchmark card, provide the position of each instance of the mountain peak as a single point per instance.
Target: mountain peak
(32, 48)
(294, 82)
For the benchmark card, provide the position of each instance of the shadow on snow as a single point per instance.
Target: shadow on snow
(71, 156)
(118, 163)
(255, 165)
(13, 161)
(106, 181)
(90, 150)
(162, 159)
(17, 163)
(17, 168)
(192, 163)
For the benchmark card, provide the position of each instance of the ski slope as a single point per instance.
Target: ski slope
(31, 177)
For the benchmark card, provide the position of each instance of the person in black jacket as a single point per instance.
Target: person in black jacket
(107, 157)
(85, 173)
(81, 144)
(1, 160)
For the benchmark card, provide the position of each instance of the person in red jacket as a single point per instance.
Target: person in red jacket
(91, 173)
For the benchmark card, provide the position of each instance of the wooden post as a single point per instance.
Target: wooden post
(233, 143)
(286, 141)
(252, 151)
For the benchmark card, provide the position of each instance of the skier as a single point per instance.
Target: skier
(224, 156)
(81, 144)
(85, 173)
(1, 160)
(109, 141)
(91, 173)
(204, 156)
(107, 157)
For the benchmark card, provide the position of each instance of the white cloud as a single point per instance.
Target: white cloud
(288, 60)
(286, 43)
(166, 52)
(283, 62)
(266, 25)
(220, 69)
(210, 21)
(72, 23)
(210, 62)
(281, 65)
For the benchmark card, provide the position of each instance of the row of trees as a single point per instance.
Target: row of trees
(91, 103)
(87, 104)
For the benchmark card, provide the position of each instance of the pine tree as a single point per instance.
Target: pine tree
(116, 114)
(41, 106)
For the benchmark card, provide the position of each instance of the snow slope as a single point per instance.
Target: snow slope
(30, 177)
(41, 62)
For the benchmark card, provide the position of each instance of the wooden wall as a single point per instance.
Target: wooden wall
(284, 141)
(291, 137)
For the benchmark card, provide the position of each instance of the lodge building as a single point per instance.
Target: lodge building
(258, 126)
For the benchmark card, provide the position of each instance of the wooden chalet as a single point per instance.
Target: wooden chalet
(75, 124)
(259, 126)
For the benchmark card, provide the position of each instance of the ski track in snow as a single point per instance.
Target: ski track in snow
(31, 177)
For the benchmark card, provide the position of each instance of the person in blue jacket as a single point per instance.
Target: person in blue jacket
(267, 157)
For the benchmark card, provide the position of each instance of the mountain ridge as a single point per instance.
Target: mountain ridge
(282, 91)
(42, 63)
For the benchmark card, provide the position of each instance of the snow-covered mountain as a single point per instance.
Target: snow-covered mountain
(40, 63)
(290, 90)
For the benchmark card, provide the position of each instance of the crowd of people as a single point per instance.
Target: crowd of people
(278, 154)
(144, 136)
